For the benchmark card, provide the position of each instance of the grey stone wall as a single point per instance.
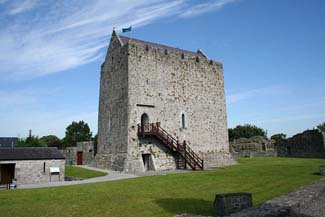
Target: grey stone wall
(32, 171)
(113, 108)
(168, 83)
(299, 203)
(307, 144)
(256, 146)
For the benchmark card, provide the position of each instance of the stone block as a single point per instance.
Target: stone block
(322, 170)
(225, 204)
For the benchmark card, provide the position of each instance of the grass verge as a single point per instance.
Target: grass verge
(78, 172)
(167, 195)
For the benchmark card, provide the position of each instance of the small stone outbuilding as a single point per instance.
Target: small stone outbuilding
(31, 165)
(82, 154)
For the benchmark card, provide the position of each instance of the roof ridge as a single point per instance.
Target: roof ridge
(126, 40)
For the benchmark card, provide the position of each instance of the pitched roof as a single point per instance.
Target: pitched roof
(8, 141)
(30, 154)
(126, 40)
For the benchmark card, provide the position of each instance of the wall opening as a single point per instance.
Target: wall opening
(263, 147)
(7, 173)
(147, 162)
(289, 150)
(183, 121)
(144, 119)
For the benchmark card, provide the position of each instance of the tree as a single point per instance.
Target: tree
(245, 131)
(278, 136)
(321, 127)
(30, 141)
(77, 132)
(52, 141)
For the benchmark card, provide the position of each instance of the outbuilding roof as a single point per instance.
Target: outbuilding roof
(41, 153)
(8, 141)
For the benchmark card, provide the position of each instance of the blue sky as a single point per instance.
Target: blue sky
(51, 51)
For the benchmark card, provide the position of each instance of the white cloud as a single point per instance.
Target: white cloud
(18, 7)
(59, 36)
(207, 6)
(23, 109)
(253, 93)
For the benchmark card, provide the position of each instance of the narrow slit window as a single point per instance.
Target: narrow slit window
(183, 121)
(44, 165)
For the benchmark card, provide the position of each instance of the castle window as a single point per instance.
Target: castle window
(147, 48)
(211, 62)
(109, 124)
(183, 120)
(112, 60)
(183, 56)
(197, 59)
(44, 166)
(166, 52)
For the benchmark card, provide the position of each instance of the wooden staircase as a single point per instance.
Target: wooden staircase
(184, 154)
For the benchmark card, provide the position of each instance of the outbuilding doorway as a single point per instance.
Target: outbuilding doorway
(79, 158)
(7, 172)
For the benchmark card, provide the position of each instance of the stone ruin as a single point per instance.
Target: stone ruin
(256, 146)
(309, 144)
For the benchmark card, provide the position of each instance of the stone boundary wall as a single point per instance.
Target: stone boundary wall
(293, 204)
(256, 146)
(310, 144)
(306, 201)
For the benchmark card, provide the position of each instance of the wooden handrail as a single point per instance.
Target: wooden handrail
(183, 150)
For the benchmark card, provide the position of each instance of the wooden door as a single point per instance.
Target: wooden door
(7, 173)
(79, 158)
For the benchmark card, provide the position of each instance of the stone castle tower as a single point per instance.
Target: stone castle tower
(143, 83)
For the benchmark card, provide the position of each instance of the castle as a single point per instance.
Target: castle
(160, 108)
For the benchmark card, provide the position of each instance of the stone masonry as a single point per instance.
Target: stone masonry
(310, 143)
(256, 146)
(87, 149)
(182, 90)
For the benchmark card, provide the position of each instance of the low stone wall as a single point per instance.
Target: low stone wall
(256, 146)
(322, 170)
(308, 144)
(225, 204)
(306, 201)
(69, 178)
(294, 204)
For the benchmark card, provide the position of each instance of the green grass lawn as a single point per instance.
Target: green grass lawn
(82, 173)
(165, 195)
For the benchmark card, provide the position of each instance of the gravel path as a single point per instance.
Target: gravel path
(112, 176)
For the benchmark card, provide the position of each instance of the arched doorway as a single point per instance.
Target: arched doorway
(144, 119)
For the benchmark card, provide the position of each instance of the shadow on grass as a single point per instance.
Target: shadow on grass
(185, 205)
(316, 174)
